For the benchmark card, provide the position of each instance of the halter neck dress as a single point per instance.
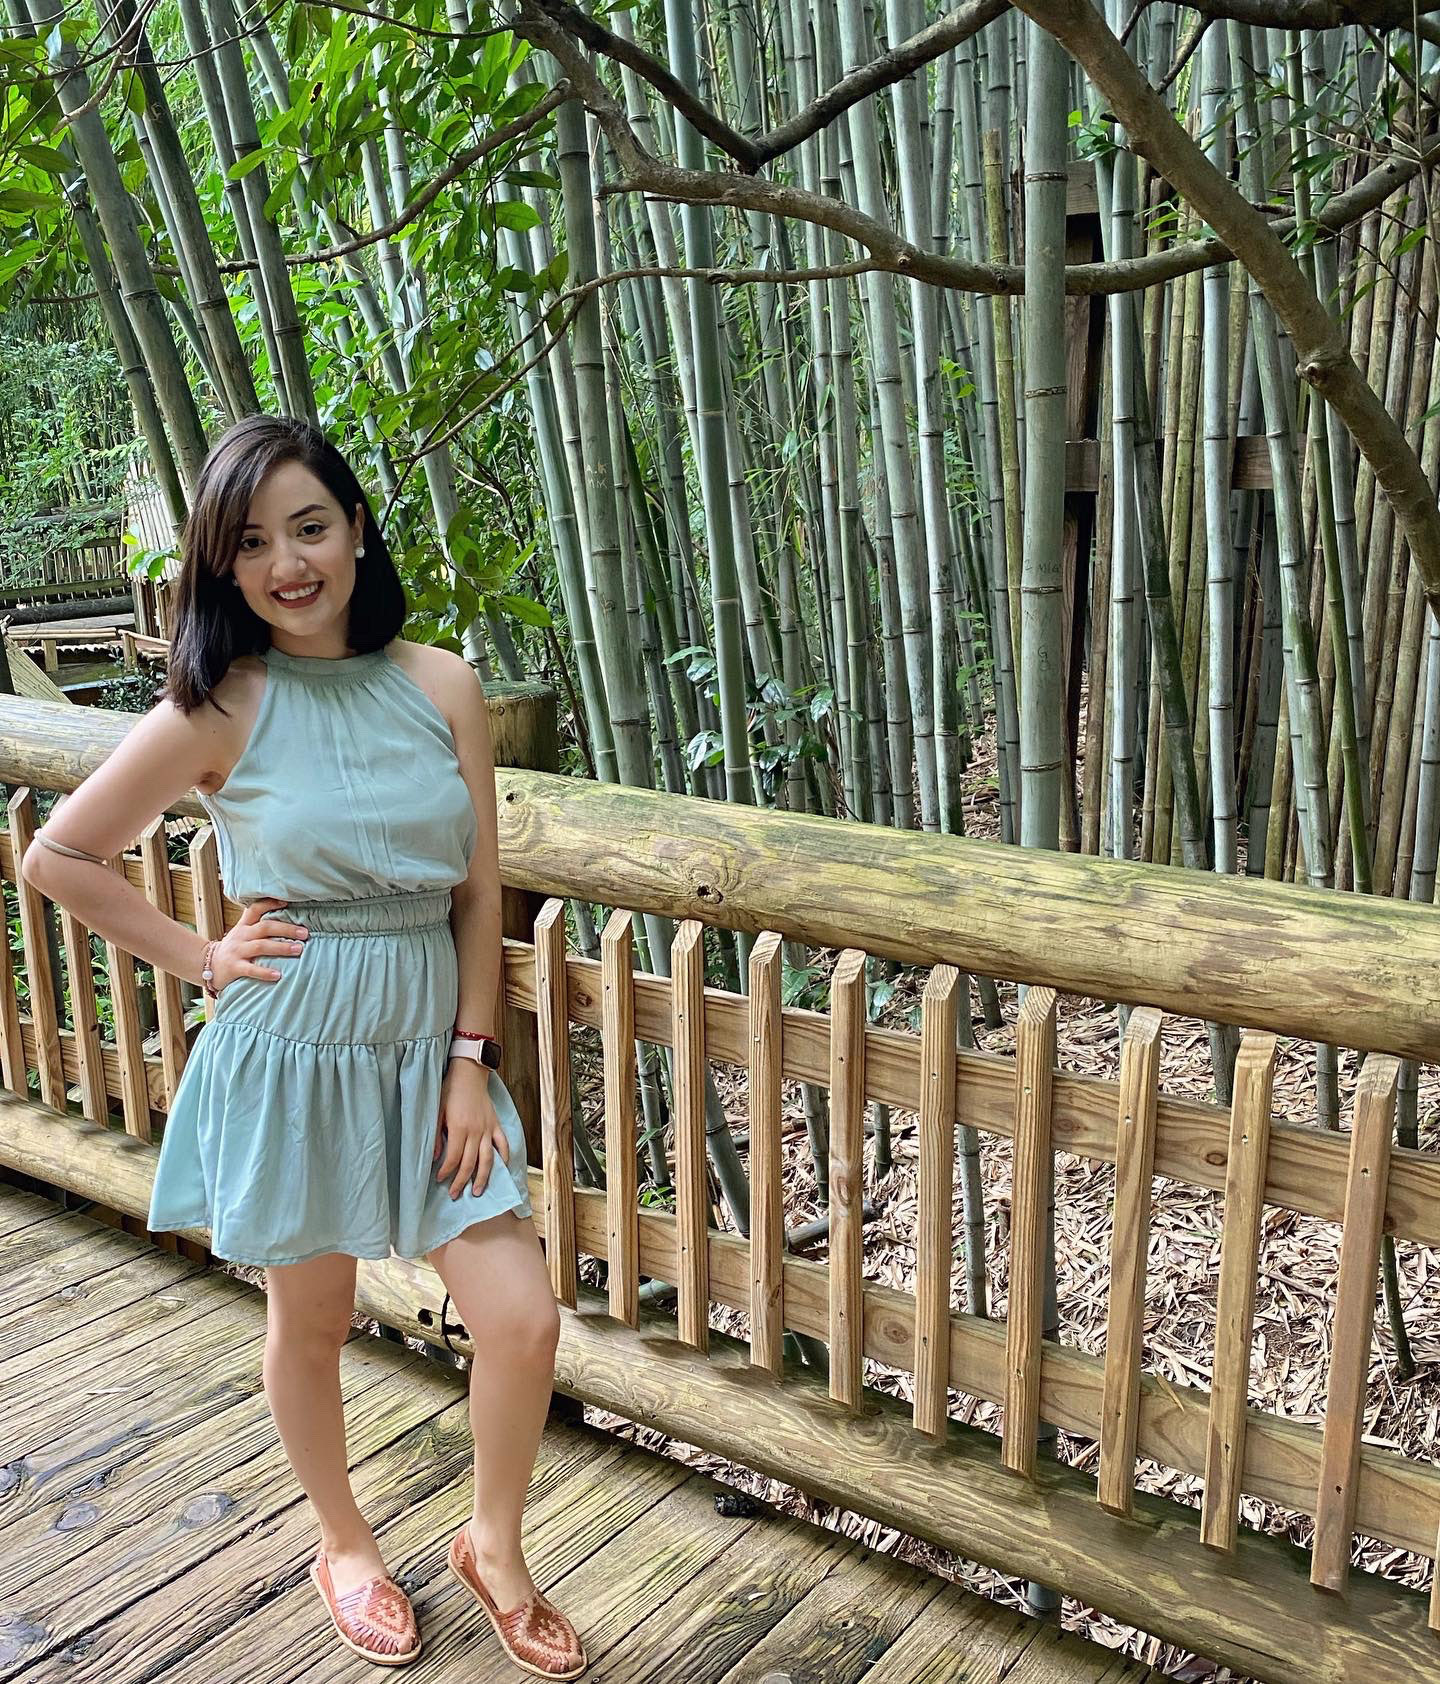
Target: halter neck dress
(304, 1121)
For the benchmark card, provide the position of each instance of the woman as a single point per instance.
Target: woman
(341, 1102)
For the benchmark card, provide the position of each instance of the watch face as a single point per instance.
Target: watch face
(490, 1054)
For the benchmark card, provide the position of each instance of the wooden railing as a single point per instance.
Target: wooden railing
(1272, 959)
(87, 564)
(50, 642)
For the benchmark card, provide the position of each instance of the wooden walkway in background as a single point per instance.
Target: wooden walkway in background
(151, 1528)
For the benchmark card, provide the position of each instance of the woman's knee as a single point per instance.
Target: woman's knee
(534, 1339)
(309, 1305)
(527, 1332)
(548, 1329)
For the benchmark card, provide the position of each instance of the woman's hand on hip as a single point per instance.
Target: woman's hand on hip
(257, 936)
(468, 1128)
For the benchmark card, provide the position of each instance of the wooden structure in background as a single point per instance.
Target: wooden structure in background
(1359, 972)
(96, 560)
(30, 678)
(50, 641)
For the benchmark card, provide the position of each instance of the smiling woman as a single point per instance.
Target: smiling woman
(279, 522)
(344, 1099)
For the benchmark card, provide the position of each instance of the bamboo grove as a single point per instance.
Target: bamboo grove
(822, 395)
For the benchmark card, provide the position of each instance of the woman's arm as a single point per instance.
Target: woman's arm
(162, 757)
(467, 1112)
(475, 902)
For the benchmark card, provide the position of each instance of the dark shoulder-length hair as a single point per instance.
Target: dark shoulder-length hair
(213, 624)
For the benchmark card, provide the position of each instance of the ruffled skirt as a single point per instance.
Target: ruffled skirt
(304, 1121)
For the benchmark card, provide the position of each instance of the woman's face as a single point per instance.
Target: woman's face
(296, 562)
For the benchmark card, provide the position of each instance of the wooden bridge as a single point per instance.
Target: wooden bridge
(151, 1529)
(1350, 971)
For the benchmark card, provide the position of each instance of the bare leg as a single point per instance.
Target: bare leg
(495, 1273)
(308, 1309)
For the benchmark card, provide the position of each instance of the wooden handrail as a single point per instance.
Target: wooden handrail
(1357, 970)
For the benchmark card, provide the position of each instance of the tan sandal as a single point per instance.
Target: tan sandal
(536, 1635)
(375, 1619)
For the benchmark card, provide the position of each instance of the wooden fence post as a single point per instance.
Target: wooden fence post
(524, 728)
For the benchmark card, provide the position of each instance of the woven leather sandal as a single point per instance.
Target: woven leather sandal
(374, 1619)
(536, 1635)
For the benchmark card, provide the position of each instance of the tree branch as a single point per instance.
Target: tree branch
(902, 61)
(408, 24)
(1322, 353)
(648, 174)
(1379, 15)
(580, 26)
(928, 44)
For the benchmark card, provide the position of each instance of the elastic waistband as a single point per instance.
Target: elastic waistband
(410, 909)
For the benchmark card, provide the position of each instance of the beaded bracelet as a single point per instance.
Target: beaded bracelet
(207, 972)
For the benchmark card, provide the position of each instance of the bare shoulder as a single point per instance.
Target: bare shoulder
(446, 678)
(208, 732)
(164, 754)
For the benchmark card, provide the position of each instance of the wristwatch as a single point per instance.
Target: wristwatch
(484, 1049)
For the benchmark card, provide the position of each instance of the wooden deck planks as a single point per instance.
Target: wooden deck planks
(729, 1606)
(415, 1506)
(958, 1639)
(70, 1299)
(208, 1560)
(153, 1485)
(837, 1630)
(156, 1532)
(172, 1331)
(647, 1568)
(45, 1259)
(20, 1209)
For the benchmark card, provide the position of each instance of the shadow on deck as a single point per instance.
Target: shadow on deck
(151, 1528)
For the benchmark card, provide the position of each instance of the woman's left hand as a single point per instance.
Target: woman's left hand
(468, 1122)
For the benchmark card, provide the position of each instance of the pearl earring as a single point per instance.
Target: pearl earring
(359, 552)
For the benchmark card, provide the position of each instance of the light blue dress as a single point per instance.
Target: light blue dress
(304, 1120)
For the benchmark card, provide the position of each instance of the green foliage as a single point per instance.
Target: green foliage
(1094, 136)
(771, 703)
(143, 562)
(130, 692)
(64, 438)
(770, 712)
